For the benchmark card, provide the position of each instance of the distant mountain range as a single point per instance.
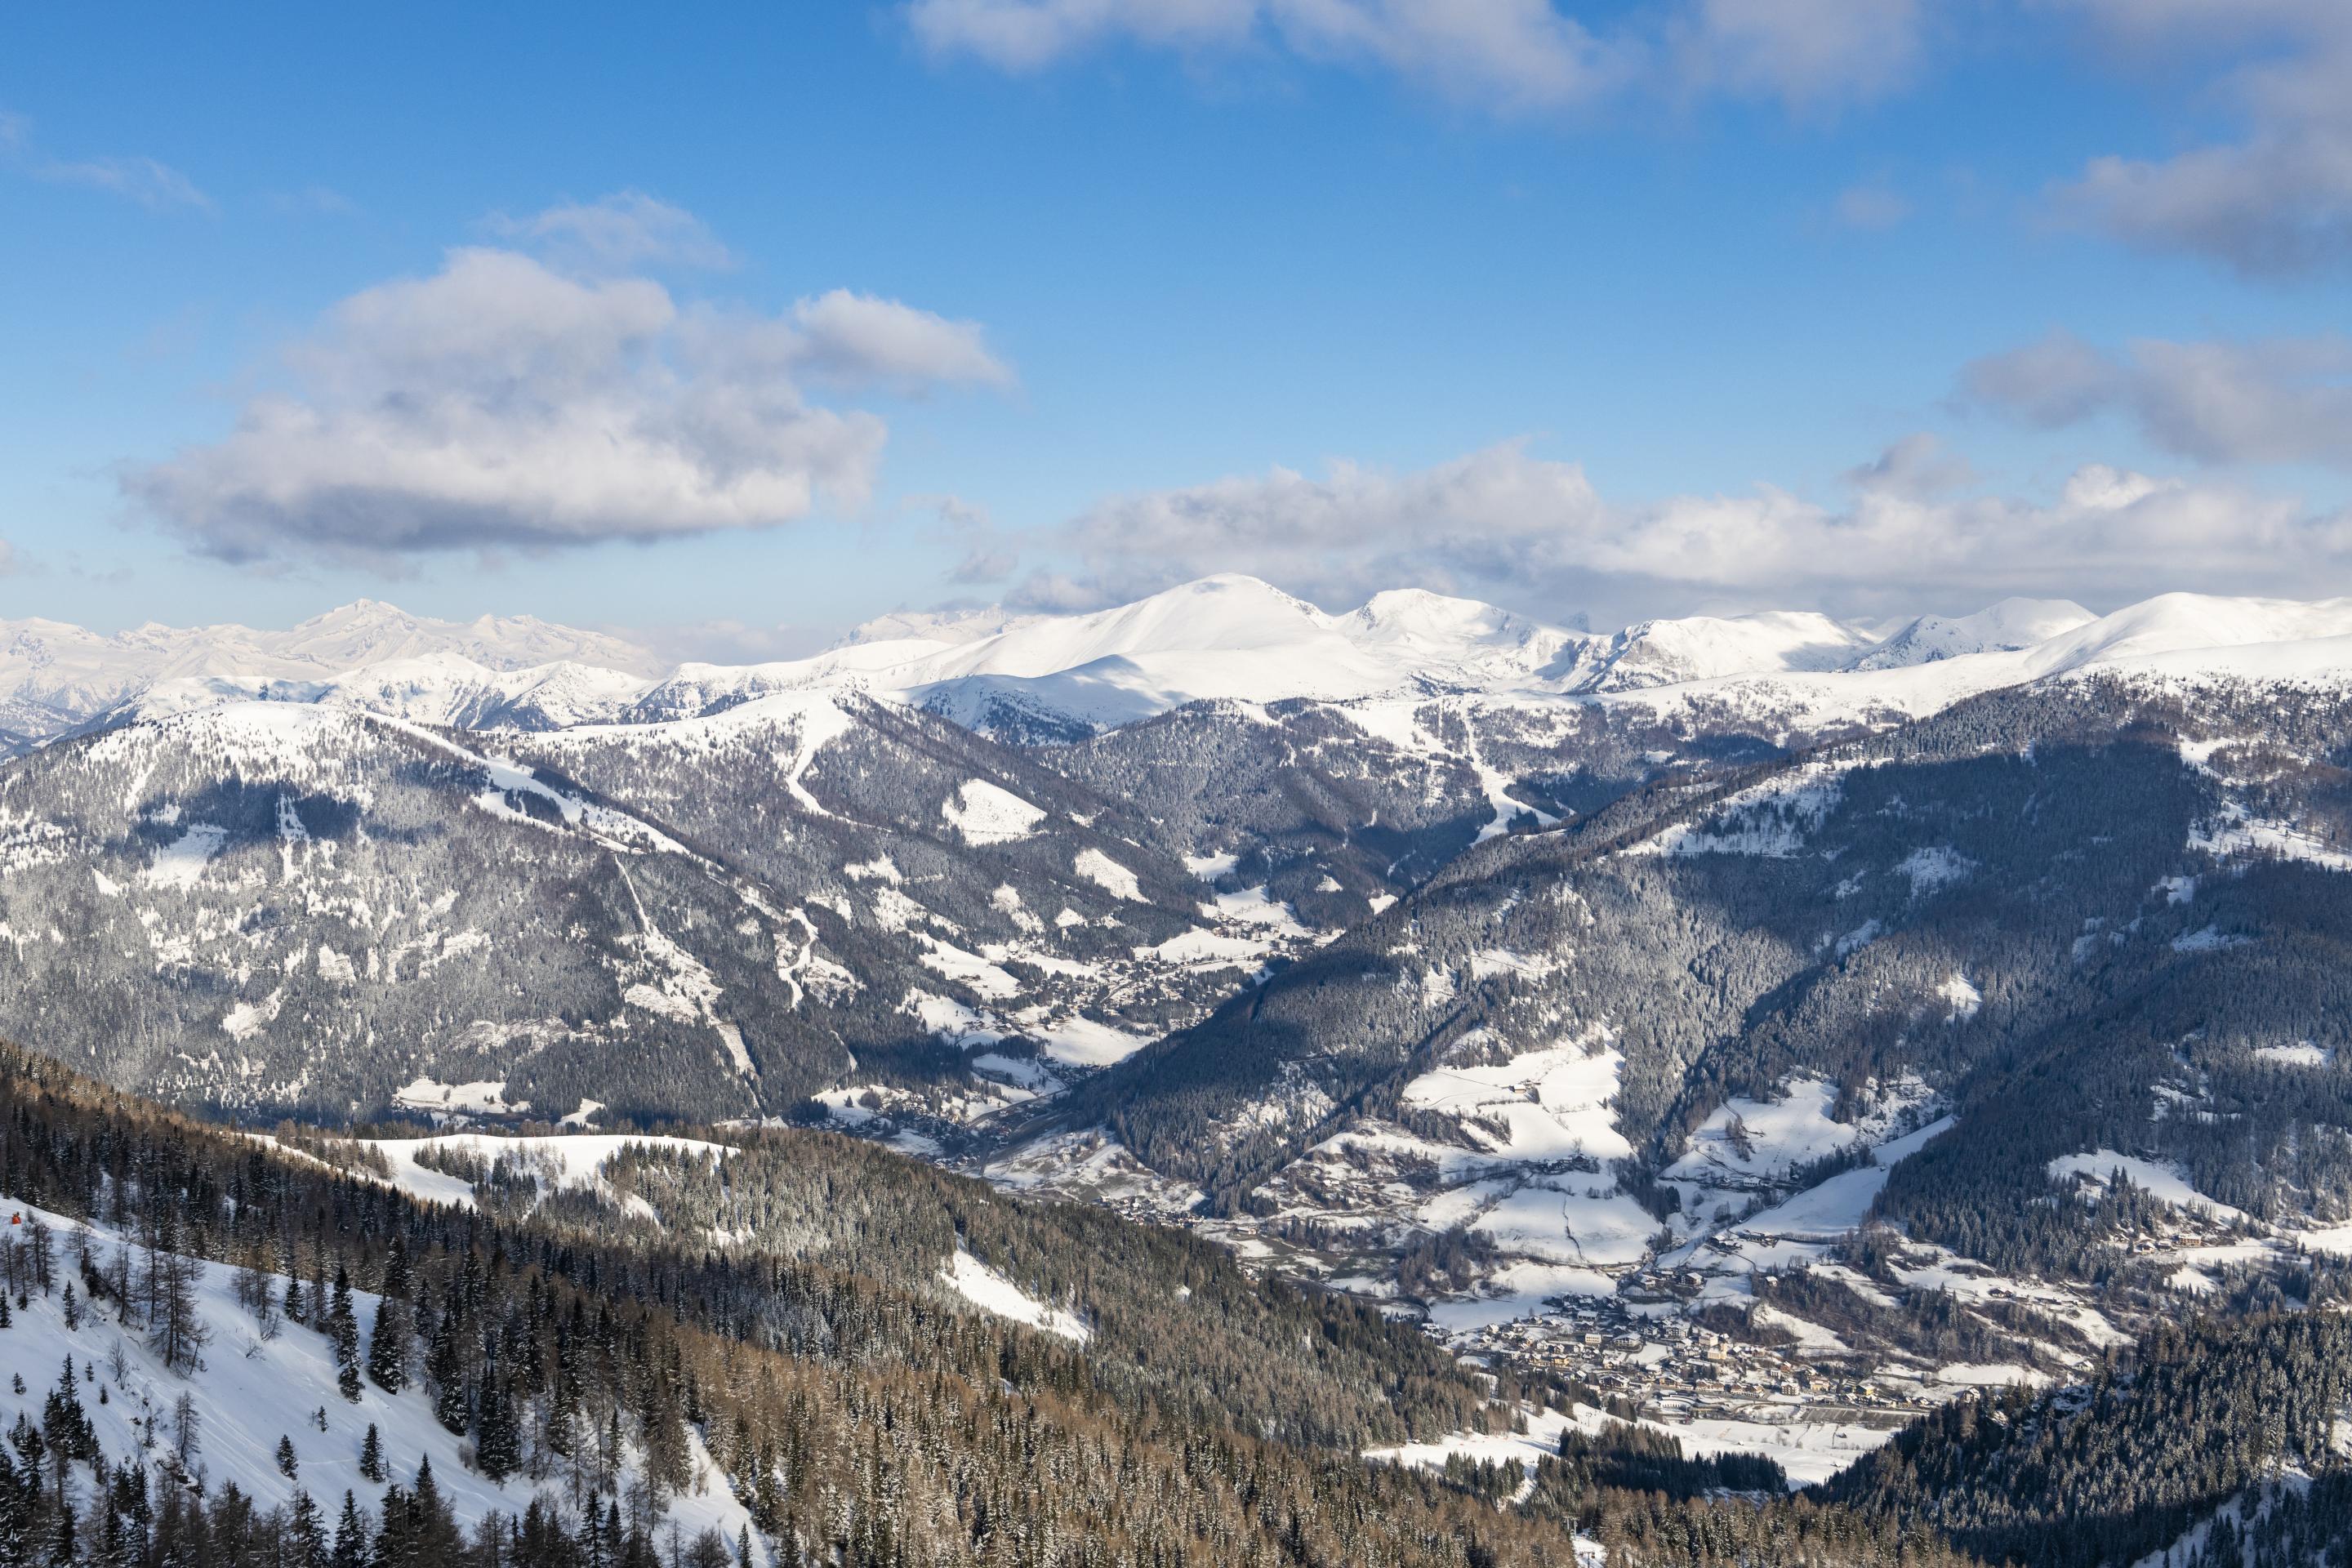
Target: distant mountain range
(1229, 638)
(54, 677)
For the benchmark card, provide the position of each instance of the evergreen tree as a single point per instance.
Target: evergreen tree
(351, 1549)
(343, 1330)
(497, 1444)
(372, 1464)
(306, 1532)
(447, 1375)
(388, 1340)
(287, 1463)
(65, 1425)
(387, 1357)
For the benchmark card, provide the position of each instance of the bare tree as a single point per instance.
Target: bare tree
(118, 1280)
(40, 1252)
(187, 1430)
(173, 1329)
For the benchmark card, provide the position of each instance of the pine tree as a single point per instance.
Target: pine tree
(286, 1464)
(497, 1446)
(344, 1329)
(388, 1339)
(61, 1549)
(448, 1375)
(433, 1523)
(372, 1455)
(387, 1358)
(306, 1534)
(65, 1425)
(563, 1409)
(351, 1537)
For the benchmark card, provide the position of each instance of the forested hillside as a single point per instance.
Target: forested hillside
(288, 909)
(858, 1422)
(2143, 1456)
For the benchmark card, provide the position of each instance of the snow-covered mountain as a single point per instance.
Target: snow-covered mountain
(1701, 648)
(54, 677)
(311, 907)
(2004, 627)
(1227, 639)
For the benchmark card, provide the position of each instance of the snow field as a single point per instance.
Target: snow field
(992, 1293)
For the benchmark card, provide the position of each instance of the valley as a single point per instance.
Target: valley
(1761, 1033)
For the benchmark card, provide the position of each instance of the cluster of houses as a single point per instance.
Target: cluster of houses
(1677, 1363)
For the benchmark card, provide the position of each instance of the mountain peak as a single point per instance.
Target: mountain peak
(2004, 627)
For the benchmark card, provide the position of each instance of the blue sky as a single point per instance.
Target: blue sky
(1607, 309)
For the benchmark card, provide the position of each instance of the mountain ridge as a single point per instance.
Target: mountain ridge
(1056, 676)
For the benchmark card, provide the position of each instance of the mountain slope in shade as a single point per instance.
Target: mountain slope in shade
(1741, 985)
(319, 908)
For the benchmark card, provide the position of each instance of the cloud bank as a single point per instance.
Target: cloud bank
(1510, 55)
(2283, 400)
(508, 400)
(2275, 200)
(1909, 528)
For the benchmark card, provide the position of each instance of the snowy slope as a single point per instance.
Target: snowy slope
(2175, 624)
(249, 1392)
(444, 689)
(1701, 648)
(2186, 638)
(2004, 627)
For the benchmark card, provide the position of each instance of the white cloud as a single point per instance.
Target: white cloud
(2285, 400)
(2276, 199)
(1028, 35)
(503, 403)
(858, 338)
(616, 233)
(155, 185)
(1509, 55)
(1806, 53)
(1503, 524)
